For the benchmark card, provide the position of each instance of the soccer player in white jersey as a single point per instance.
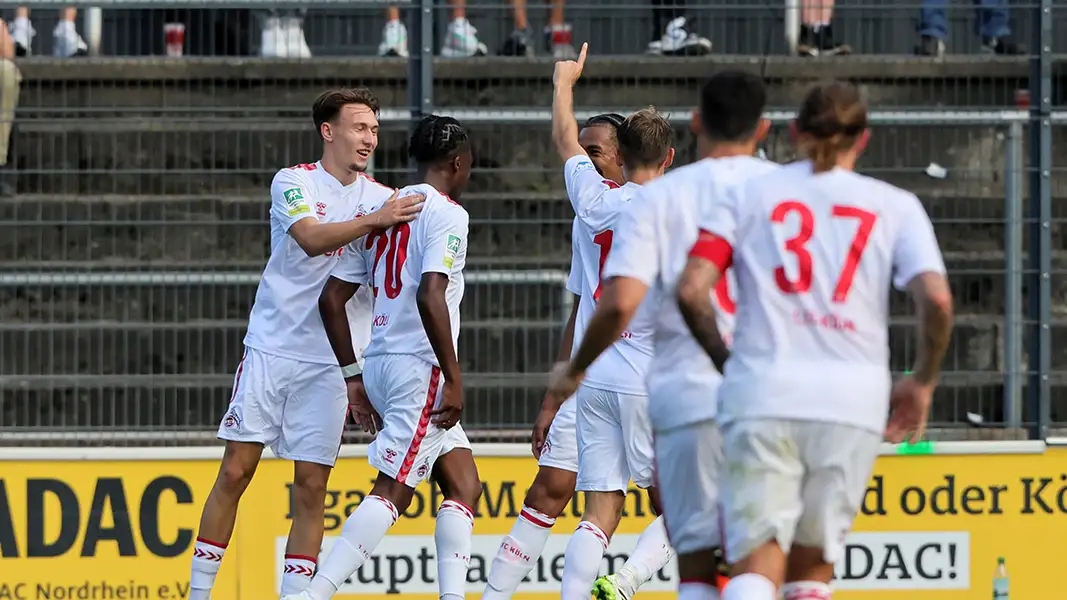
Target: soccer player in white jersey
(411, 378)
(651, 245)
(804, 400)
(288, 392)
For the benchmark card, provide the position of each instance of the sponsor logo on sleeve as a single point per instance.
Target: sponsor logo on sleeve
(451, 249)
(583, 165)
(294, 199)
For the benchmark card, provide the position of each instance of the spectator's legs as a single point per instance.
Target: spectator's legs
(558, 33)
(816, 30)
(992, 25)
(283, 36)
(461, 40)
(67, 42)
(668, 17)
(518, 43)
(22, 31)
(10, 77)
(933, 27)
(394, 35)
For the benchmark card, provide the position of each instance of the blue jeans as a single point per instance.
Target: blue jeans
(991, 20)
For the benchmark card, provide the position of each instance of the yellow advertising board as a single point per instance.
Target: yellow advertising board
(101, 528)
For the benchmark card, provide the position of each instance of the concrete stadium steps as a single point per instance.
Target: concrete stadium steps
(104, 155)
(507, 345)
(176, 403)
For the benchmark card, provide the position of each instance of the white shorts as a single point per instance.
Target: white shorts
(688, 462)
(614, 441)
(561, 445)
(297, 408)
(797, 482)
(405, 389)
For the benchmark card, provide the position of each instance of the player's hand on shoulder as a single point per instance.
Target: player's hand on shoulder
(447, 415)
(360, 408)
(398, 210)
(567, 72)
(909, 409)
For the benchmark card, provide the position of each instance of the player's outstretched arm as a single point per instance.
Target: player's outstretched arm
(564, 125)
(335, 295)
(933, 303)
(317, 238)
(694, 301)
(433, 310)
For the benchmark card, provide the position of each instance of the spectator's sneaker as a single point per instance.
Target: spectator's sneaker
(283, 37)
(1002, 46)
(820, 42)
(931, 47)
(294, 37)
(678, 41)
(22, 35)
(394, 40)
(558, 40)
(518, 44)
(66, 41)
(462, 41)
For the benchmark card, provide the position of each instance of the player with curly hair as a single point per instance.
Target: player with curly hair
(410, 391)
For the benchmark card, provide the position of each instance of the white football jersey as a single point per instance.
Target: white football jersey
(285, 320)
(598, 204)
(814, 256)
(655, 236)
(392, 263)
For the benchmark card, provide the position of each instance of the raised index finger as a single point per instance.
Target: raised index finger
(582, 55)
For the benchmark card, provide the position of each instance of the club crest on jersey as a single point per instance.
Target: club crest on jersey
(451, 249)
(422, 470)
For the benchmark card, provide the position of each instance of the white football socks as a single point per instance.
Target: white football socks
(806, 590)
(296, 574)
(652, 553)
(697, 590)
(518, 553)
(581, 561)
(207, 558)
(750, 586)
(360, 535)
(452, 536)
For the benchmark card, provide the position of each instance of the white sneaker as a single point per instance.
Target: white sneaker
(67, 42)
(678, 41)
(462, 41)
(271, 45)
(283, 37)
(22, 33)
(394, 40)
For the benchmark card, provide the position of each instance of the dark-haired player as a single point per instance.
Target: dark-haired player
(411, 375)
(803, 405)
(288, 392)
(557, 459)
(649, 253)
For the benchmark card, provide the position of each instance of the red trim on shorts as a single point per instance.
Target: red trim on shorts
(420, 430)
(301, 557)
(713, 249)
(237, 381)
(528, 515)
(211, 543)
(721, 583)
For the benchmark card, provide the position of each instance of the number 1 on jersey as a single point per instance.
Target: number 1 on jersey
(797, 246)
(602, 239)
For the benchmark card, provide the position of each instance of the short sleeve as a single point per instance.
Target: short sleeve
(915, 249)
(574, 279)
(352, 265)
(635, 247)
(290, 198)
(585, 189)
(445, 250)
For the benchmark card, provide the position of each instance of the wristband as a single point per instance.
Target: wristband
(351, 370)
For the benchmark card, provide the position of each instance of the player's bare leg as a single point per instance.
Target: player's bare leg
(305, 531)
(363, 530)
(581, 561)
(807, 574)
(238, 465)
(457, 475)
(759, 575)
(545, 501)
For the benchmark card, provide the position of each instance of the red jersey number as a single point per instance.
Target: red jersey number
(797, 246)
(602, 239)
(393, 244)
